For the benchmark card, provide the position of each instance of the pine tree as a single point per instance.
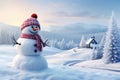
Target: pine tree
(111, 48)
(101, 45)
(71, 44)
(61, 44)
(82, 42)
(98, 53)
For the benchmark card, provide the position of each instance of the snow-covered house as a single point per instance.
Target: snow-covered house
(91, 43)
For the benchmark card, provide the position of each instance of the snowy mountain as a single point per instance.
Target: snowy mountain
(7, 27)
(79, 28)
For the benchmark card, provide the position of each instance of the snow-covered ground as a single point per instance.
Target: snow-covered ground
(74, 64)
(98, 64)
(70, 57)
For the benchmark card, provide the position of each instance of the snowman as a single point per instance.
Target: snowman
(29, 47)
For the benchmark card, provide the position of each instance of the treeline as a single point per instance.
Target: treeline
(6, 37)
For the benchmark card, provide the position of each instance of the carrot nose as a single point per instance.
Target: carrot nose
(35, 29)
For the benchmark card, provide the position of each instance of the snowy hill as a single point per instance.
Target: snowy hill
(99, 64)
(74, 55)
(62, 66)
(9, 29)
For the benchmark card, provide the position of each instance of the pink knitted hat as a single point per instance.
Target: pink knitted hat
(30, 21)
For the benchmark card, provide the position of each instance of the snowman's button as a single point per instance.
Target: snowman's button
(35, 45)
(35, 50)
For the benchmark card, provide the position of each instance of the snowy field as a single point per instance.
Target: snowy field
(74, 64)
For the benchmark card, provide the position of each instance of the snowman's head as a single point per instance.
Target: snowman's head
(32, 29)
(31, 25)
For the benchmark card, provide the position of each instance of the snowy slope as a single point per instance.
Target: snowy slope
(71, 56)
(98, 64)
(55, 71)
(50, 50)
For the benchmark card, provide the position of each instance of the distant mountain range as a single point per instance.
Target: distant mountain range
(74, 31)
(79, 28)
(69, 32)
(9, 28)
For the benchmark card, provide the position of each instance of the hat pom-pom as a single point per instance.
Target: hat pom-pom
(34, 15)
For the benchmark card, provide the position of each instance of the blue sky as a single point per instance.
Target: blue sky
(59, 12)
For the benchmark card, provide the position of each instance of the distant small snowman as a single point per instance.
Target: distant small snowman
(29, 47)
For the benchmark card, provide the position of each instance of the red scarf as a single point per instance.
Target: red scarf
(36, 37)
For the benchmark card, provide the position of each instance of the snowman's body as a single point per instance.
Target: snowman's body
(27, 47)
(29, 62)
(28, 54)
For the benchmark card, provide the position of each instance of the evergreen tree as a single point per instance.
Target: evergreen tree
(111, 47)
(82, 42)
(61, 44)
(71, 44)
(102, 42)
(98, 53)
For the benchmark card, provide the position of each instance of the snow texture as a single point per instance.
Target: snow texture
(89, 40)
(73, 55)
(30, 62)
(58, 72)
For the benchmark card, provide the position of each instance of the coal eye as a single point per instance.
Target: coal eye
(32, 26)
(36, 27)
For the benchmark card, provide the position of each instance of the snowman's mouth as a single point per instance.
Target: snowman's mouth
(32, 32)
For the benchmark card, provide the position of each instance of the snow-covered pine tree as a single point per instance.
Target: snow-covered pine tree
(61, 44)
(82, 42)
(102, 42)
(100, 48)
(71, 44)
(53, 43)
(111, 48)
(98, 52)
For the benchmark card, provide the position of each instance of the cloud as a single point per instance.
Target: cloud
(83, 14)
(55, 12)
